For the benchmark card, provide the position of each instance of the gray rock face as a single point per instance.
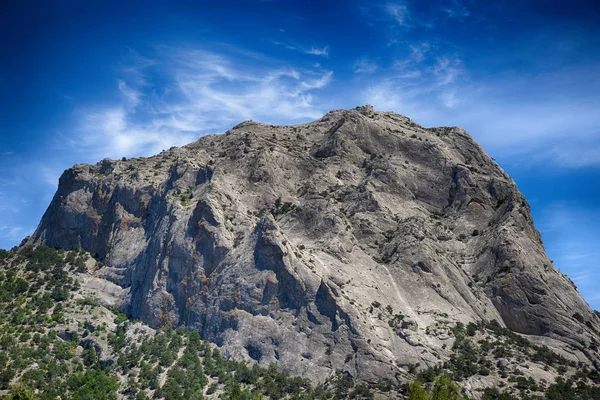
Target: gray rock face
(353, 242)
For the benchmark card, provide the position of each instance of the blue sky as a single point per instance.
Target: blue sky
(80, 81)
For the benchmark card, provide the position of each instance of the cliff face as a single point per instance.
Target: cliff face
(354, 242)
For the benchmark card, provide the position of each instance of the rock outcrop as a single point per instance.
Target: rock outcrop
(354, 242)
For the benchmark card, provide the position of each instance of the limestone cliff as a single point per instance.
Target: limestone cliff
(353, 242)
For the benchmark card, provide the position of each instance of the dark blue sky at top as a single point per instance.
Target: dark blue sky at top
(80, 81)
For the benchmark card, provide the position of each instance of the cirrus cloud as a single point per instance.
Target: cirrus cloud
(200, 92)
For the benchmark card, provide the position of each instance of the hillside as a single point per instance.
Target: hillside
(58, 339)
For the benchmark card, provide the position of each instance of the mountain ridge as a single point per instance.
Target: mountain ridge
(353, 241)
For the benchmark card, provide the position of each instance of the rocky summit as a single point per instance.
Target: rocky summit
(357, 242)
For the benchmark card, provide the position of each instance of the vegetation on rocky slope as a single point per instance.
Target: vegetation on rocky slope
(57, 343)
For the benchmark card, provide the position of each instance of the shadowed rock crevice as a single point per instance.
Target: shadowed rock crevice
(327, 306)
(269, 255)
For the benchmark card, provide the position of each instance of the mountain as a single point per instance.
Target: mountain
(360, 242)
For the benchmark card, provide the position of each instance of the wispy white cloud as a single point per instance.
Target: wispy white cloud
(132, 96)
(576, 153)
(418, 51)
(456, 10)
(201, 92)
(396, 17)
(447, 70)
(113, 132)
(422, 77)
(314, 50)
(410, 74)
(449, 98)
(383, 96)
(536, 132)
(399, 12)
(285, 45)
(413, 61)
(364, 66)
(318, 51)
(317, 83)
(391, 16)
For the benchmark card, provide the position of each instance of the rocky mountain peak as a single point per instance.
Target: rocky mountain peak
(355, 242)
